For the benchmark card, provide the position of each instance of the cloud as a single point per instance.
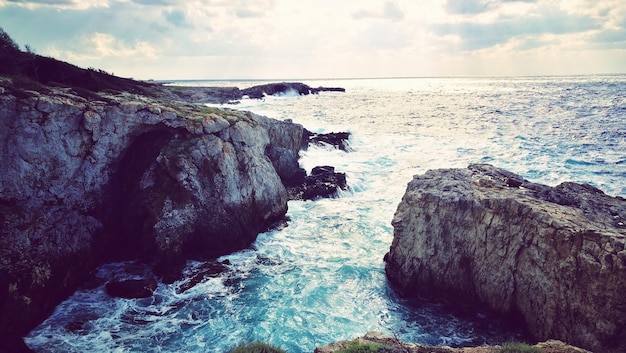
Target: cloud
(43, 2)
(478, 35)
(467, 6)
(176, 17)
(98, 46)
(474, 7)
(320, 36)
(390, 11)
(248, 13)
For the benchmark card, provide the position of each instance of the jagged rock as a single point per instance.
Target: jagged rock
(286, 164)
(201, 273)
(86, 181)
(338, 140)
(322, 182)
(554, 258)
(388, 344)
(131, 288)
(271, 89)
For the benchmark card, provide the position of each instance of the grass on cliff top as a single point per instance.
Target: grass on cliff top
(32, 72)
(368, 347)
(257, 347)
(516, 347)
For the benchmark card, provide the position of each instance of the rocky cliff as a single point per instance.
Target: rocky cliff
(379, 342)
(115, 176)
(553, 258)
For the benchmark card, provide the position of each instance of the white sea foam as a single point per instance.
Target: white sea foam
(322, 278)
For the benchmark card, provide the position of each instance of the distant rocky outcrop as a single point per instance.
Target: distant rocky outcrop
(223, 95)
(271, 89)
(552, 257)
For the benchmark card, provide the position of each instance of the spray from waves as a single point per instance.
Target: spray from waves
(320, 279)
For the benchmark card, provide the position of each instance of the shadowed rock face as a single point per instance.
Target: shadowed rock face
(87, 181)
(554, 257)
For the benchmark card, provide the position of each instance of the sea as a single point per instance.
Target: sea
(320, 278)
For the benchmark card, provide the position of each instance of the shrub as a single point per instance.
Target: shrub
(6, 42)
(363, 347)
(257, 347)
(516, 347)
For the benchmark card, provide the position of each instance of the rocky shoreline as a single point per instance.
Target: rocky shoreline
(390, 344)
(107, 176)
(232, 95)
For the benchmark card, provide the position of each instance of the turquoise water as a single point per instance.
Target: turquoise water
(321, 278)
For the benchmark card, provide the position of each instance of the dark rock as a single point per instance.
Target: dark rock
(323, 182)
(231, 95)
(201, 273)
(132, 288)
(553, 258)
(286, 164)
(271, 89)
(338, 140)
(327, 89)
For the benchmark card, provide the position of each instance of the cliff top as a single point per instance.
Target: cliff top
(31, 72)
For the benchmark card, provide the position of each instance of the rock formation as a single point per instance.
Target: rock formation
(553, 257)
(388, 344)
(270, 89)
(223, 95)
(125, 176)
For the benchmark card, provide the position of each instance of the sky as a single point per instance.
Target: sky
(289, 39)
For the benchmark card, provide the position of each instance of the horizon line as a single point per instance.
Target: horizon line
(384, 77)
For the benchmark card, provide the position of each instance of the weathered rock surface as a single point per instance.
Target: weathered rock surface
(87, 181)
(322, 182)
(388, 344)
(552, 257)
(338, 140)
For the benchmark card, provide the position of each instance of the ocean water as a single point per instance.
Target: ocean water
(321, 278)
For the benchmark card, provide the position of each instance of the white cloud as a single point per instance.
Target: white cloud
(102, 46)
(272, 38)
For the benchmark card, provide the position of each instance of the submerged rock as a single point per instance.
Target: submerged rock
(553, 258)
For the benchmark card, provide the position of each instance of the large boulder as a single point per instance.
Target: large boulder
(552, 257)
(87, 181)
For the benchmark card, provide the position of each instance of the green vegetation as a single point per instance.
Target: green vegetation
(33, 72)
(366, 347)
(257, 347)
(516, 347)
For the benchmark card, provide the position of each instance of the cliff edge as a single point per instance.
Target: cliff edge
(553, 258)
(87, 180)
